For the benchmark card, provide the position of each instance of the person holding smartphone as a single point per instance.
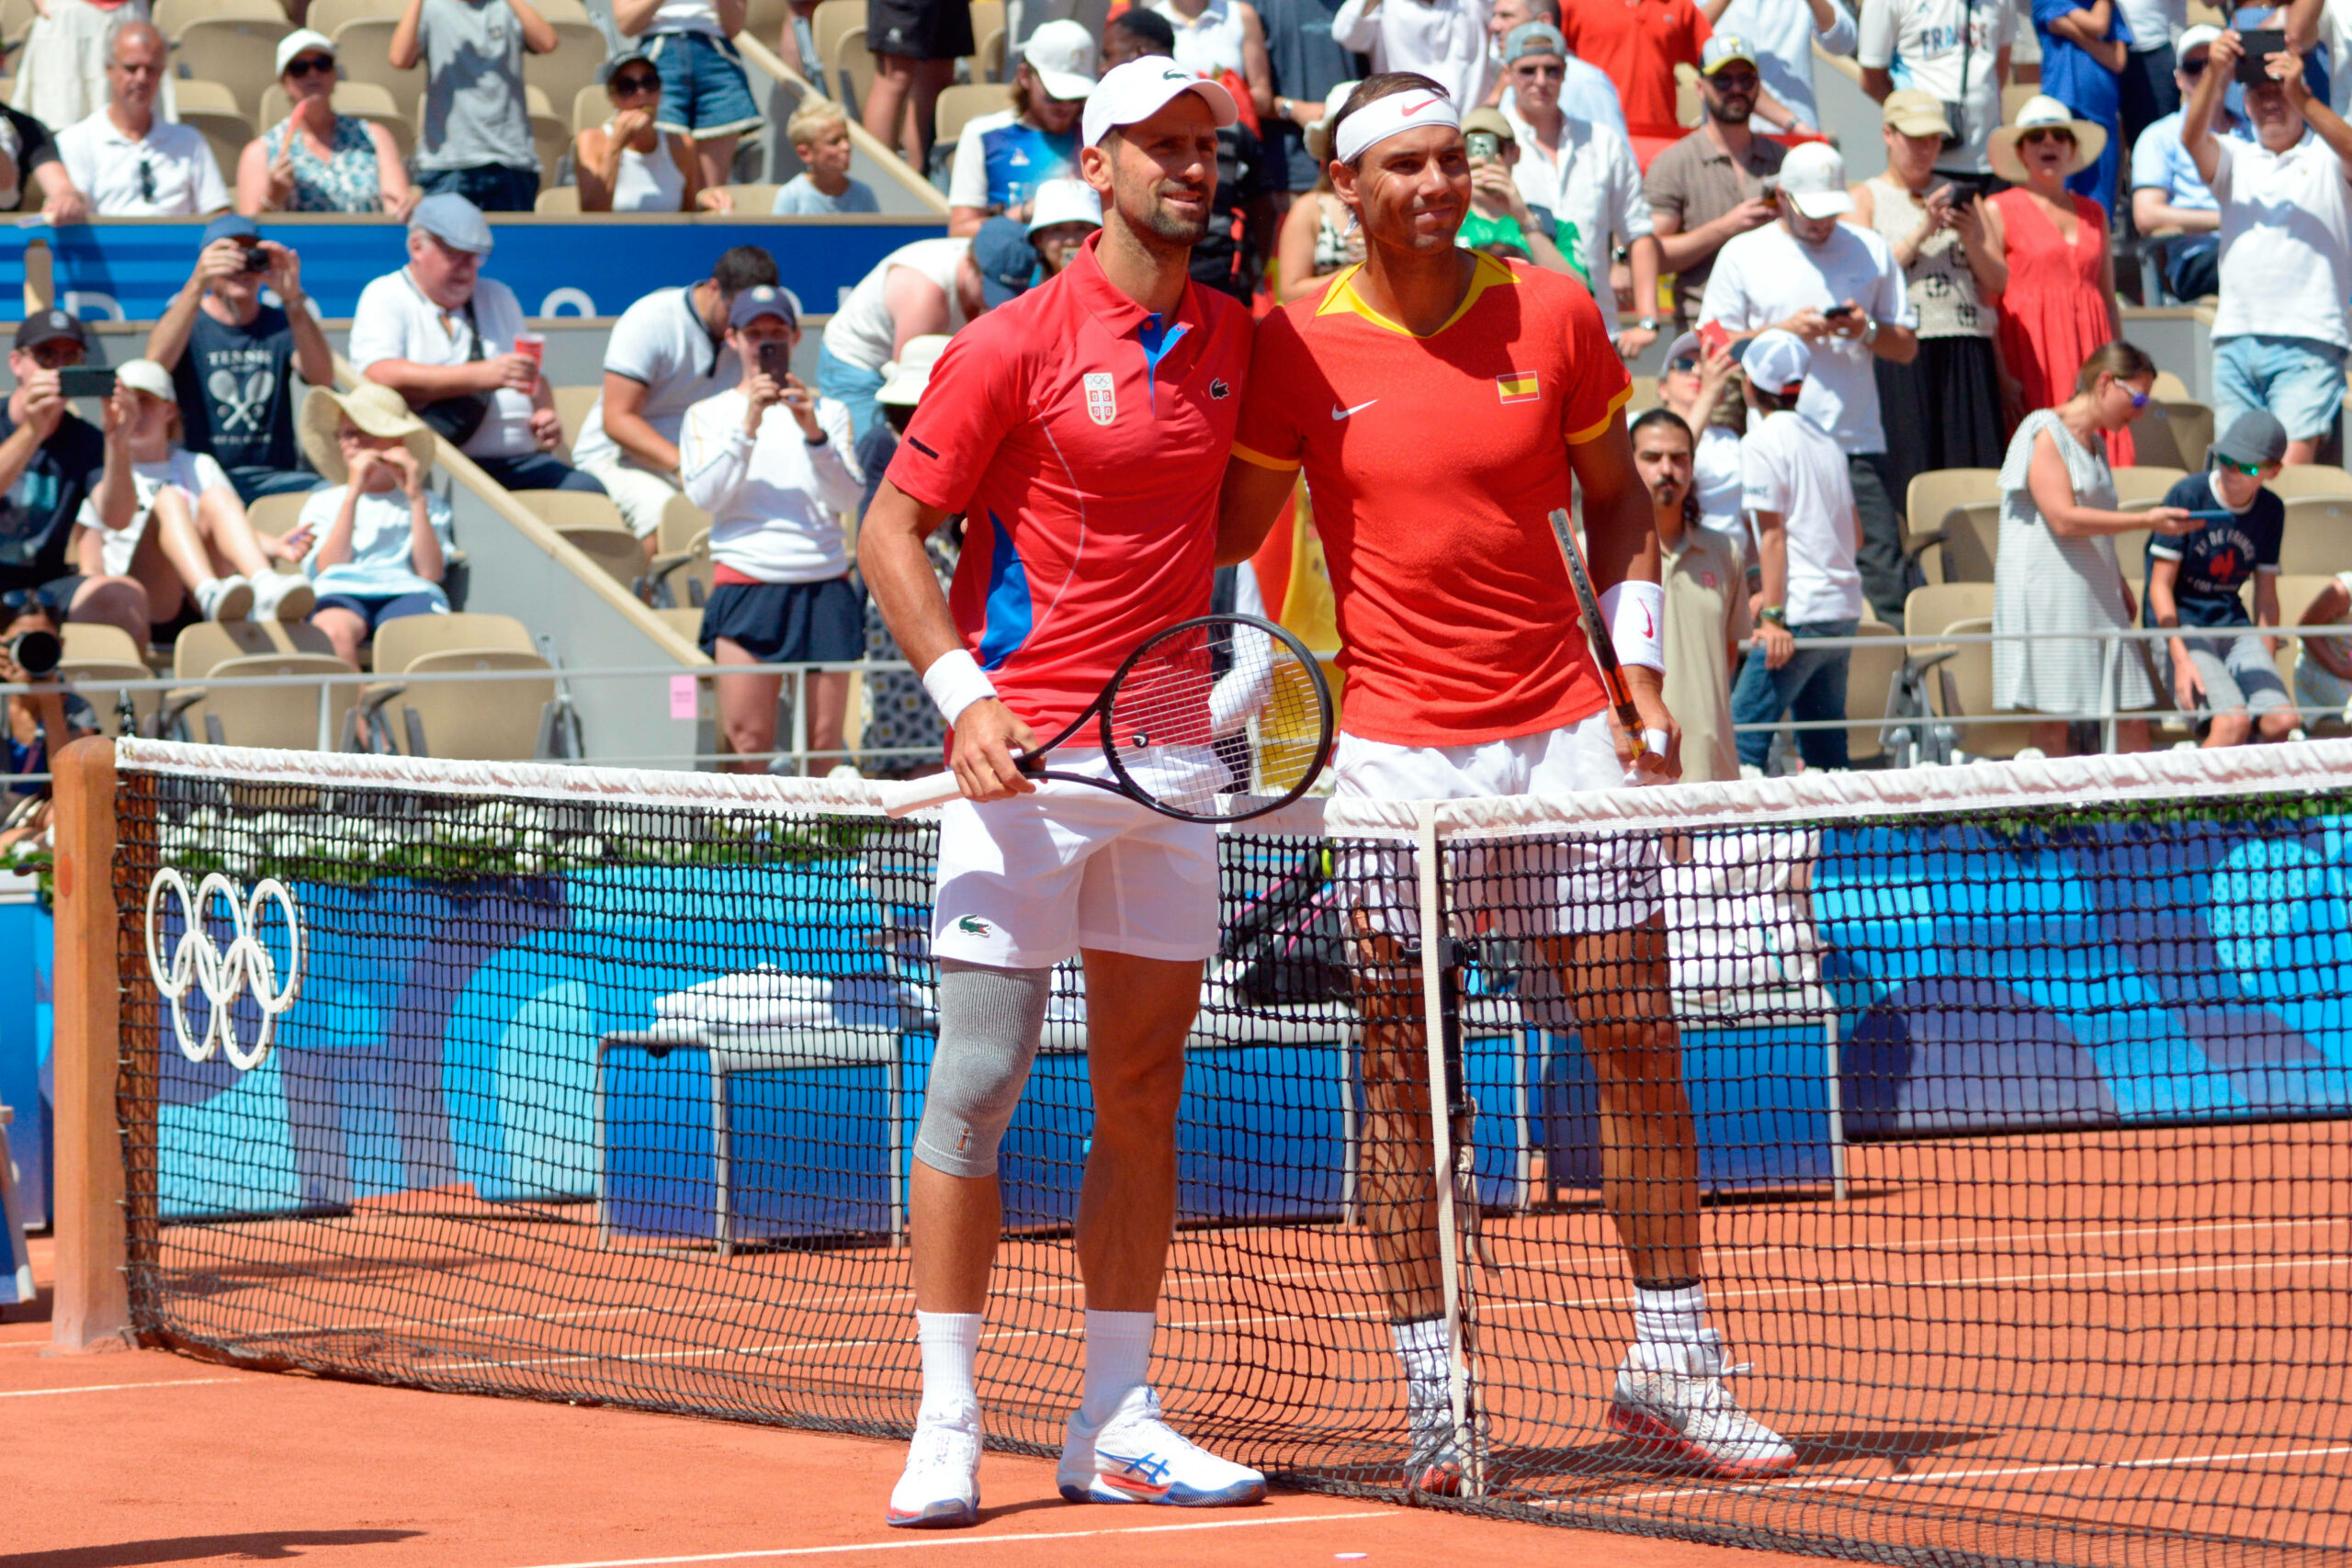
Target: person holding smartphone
(774, 464)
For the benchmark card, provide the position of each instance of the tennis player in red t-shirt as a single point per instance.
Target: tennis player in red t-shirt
(1082, 431)
(1440, 401)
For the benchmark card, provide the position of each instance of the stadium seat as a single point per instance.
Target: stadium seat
(171, 17)
(593, 526)
(851, 64)
(1931, 611)
(97, 655)
(1930, 498)
(2170, 388)
(572, 405)
(241, 54)
(2295, 596)
(2318, 538)
(988, 20)
(591, 106)
(681, 569)
(282, 717)
(965, 102)
(2173, 433)
(1870, 674)
(578, 59)
(211, 108)
(1964, 546)
(985, 62)
(2141, 485)
(2310, 478)
(2013, 98)
(556, 198)
(275, 515)
(754, 200)
(369, 101)
(363, 48)
(410, 637)
(549, 139)
(827, 25)
(2131, 556)
(16, 18)
(326, 15)
(480, 720)
(1963, 689)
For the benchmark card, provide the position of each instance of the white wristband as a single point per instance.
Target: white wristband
(955, 681)
(1636, 616)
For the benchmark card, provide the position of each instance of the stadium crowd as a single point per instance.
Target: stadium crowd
(1833, 342)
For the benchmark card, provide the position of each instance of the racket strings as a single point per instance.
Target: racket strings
(1224, 693)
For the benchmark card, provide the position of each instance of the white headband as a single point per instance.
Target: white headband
(1383, 117)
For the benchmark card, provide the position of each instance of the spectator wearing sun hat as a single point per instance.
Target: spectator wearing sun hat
(374, 541)
(1838, 288)
(316, 160)
(771, 462)
(1800, 500)
(2057, 295)
(1003, 158)
(2280, 333)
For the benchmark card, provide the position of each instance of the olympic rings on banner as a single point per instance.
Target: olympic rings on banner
(198, 963)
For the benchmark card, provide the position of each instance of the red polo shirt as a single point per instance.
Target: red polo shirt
(1638, 43)
(1085, 440)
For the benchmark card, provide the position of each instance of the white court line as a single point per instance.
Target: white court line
(1930, 1477)
(109, 1387)
(939, 1540)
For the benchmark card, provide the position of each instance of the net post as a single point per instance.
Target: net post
(93, 1305)
(1433, 953)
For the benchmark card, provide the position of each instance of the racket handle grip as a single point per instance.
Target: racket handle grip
(902, 796)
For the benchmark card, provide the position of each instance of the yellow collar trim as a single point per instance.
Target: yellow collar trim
(1341, 296)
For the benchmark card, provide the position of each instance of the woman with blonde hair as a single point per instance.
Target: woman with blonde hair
(2056, 582)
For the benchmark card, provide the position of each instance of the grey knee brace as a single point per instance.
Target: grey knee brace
(990, 1024)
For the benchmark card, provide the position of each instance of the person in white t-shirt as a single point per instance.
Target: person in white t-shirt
(1785, 33)
(1799, 498)
(772, 464)
(2311, 23)
(190, 538)
(1957, 52)
(667, 352)
(1838, 288)
(444, 337)
(1444, 40)
(2280, 333)
(929, 286)
(374, 541)
(124, 161)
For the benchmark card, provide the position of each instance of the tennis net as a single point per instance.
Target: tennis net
(2019, 1095)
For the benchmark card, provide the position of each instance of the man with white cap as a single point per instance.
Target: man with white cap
(444, 337)
(1467, 680)
(1713, 186)
(1838, 288)
(1801, 501)
(126, 161)
(1003, 158)
(2166, 190)
(1082, 430)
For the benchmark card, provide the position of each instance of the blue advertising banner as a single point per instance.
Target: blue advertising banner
(131, 271)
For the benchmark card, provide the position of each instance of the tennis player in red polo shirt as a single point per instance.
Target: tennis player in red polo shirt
(1082, 432)
(1440, 403)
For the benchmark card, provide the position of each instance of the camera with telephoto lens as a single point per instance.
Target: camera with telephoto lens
(37, 653)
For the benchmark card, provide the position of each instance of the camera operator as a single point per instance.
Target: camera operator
(40, 721)
(231, 357)
(771, 462)
(52, 460)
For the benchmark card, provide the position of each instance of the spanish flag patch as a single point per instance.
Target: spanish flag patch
(1517, 387)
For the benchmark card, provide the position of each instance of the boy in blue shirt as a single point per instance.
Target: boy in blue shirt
(2194, 581)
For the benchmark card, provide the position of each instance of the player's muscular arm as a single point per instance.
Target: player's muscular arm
(1620, 546)
(1251, 499)
(899, 575)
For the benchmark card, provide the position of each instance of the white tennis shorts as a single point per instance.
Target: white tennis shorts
(1522, 885)
(1026, 883)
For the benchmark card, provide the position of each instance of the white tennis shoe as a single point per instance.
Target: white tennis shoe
(1135, 1457)
(1671, 1399)
(941, 1487)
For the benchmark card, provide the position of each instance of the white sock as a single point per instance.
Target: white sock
(1670, 1317)
(950, 1341)
(1429, 1366)
(1118, 1358)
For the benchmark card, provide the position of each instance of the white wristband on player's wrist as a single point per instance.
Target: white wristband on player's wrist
(955, 681)
(1636, 612)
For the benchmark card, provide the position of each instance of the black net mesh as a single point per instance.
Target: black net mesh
(2011, 1149)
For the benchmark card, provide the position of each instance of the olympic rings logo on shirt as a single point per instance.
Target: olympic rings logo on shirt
(197, 964)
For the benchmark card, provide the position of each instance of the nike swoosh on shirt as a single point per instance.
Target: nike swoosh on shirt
(1338, 414)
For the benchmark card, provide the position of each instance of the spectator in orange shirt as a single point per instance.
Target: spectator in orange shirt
(1639, 43)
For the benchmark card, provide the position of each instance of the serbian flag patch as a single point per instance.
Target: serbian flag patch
(1517, 387)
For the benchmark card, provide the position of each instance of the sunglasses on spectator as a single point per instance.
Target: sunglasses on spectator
(1683, 363)
(2139, 399)
(623, 85)
(2250, 471)
(56, 353)
(2046, 133)
(1735, 81)
(146, 180)
(312, 65)
(1542, 72)
(2193, 67)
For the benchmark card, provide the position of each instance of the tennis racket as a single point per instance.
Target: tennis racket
(1603, 646)
(1216, 719)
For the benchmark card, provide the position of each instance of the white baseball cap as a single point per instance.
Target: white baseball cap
(2201, 36)
(1812, 180)
(1776, 361)
(302, 42)
(147, 376)
(1064, 201)
(1135, 92)
(1062, 54)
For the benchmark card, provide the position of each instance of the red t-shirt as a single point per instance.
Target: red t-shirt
(1085, 441)
(1434, 464)
(1638, 43)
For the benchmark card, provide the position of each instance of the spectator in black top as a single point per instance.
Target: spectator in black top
(51, 461)
(2194, 580)
(28, 149)
(1232, 255)
(232, 358)
(38, 723)
(1308, 62)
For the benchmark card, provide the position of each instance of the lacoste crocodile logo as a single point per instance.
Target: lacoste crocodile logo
(974, 926)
